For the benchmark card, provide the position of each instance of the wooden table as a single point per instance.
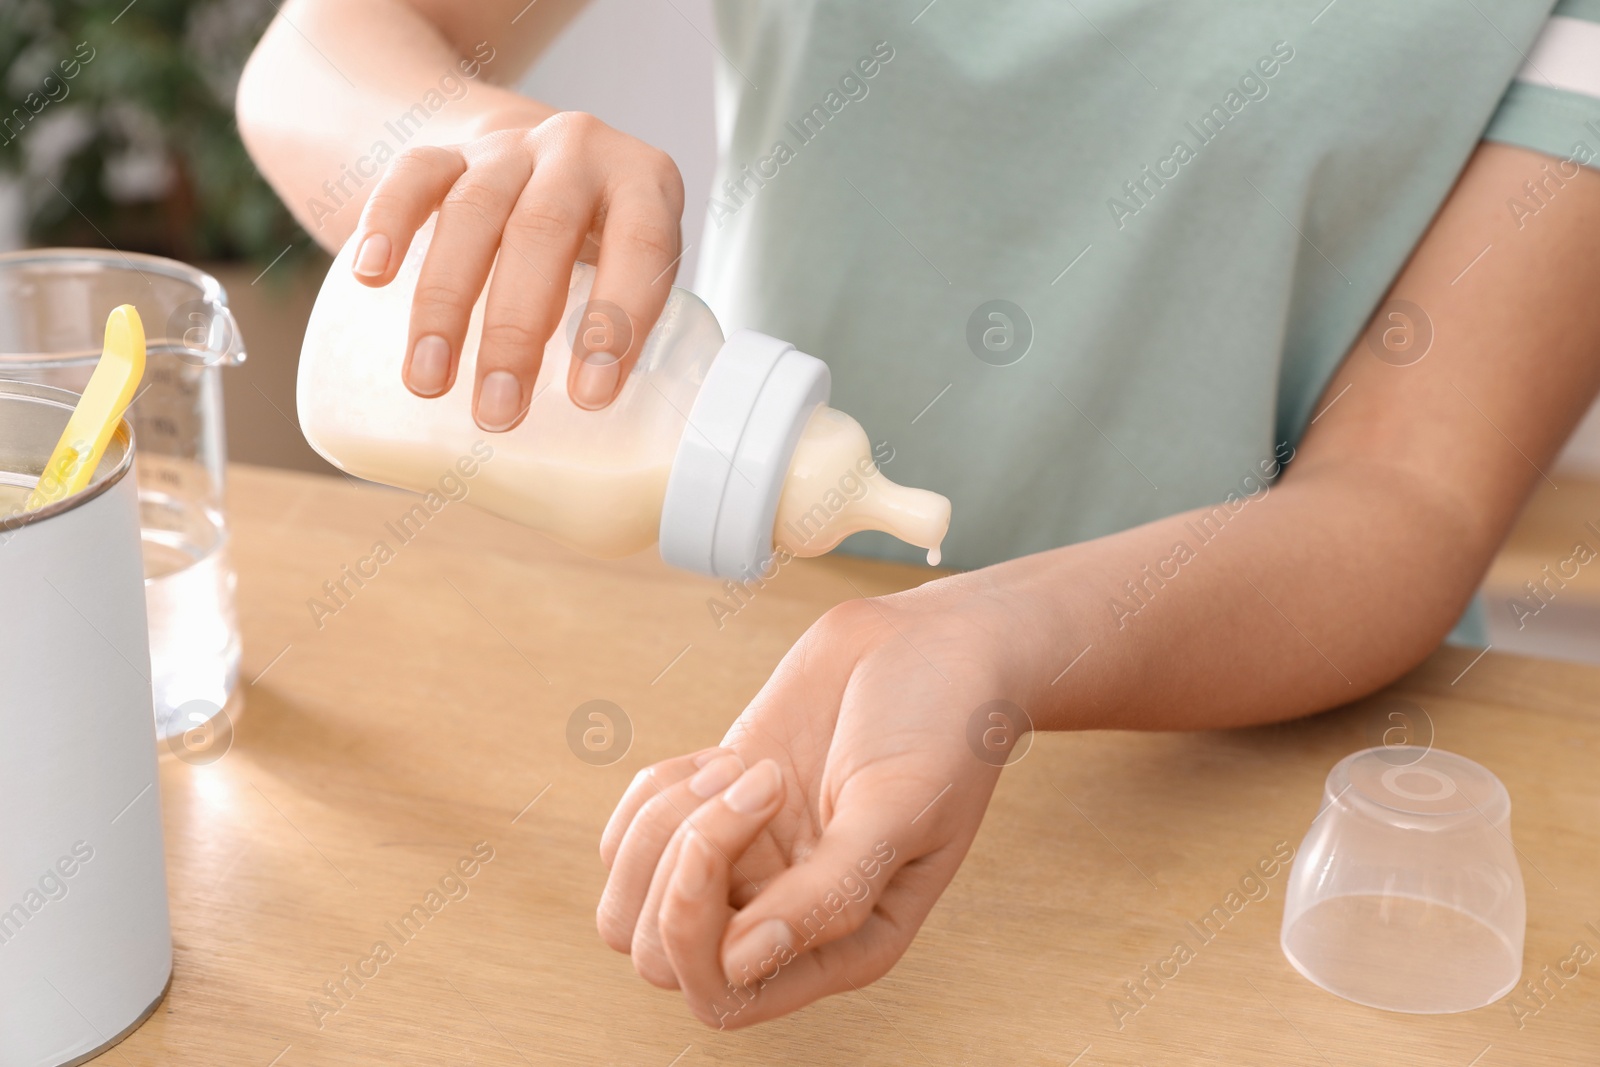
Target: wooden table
(429, 714)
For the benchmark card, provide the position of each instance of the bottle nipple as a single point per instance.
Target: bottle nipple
(834, 489)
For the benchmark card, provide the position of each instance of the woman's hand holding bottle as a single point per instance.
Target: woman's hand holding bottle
(529, 203)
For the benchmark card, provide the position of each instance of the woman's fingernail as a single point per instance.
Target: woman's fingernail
(597, 381)
(694, 868)
(772, 941)
(716, 776)
(707, 756)
(372, 258)
(499, 401)
(755, 790)
(430, 365)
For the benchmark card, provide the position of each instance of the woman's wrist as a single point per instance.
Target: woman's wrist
(1035, 620)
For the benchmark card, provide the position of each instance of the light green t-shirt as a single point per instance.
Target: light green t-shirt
(1189, 210)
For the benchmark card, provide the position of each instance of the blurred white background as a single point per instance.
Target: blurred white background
(645, 68)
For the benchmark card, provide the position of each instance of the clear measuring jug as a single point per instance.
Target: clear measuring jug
(53, 308)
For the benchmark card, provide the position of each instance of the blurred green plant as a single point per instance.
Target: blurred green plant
(116, 125)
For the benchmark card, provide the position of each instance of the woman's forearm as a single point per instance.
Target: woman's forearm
(1351, 569)
(336, 88)
(1293, 599)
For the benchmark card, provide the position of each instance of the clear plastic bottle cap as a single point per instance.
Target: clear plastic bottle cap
(1406, 894)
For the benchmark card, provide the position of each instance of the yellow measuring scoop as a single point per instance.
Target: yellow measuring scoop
(95, 419)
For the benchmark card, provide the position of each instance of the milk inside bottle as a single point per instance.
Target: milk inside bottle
(722, 451)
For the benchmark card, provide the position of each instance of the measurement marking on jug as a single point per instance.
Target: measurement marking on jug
(131, 803)
(673, 664)
(531, 803)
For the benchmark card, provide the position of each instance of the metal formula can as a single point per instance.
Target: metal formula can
(85, 940)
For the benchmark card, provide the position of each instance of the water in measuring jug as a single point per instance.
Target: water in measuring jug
(189, 588)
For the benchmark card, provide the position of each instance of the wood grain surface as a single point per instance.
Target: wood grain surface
(1556, 546)
(418, 732)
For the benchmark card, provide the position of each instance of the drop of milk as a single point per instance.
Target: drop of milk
(934, 556)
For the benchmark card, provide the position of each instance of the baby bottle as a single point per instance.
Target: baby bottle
(723, 451)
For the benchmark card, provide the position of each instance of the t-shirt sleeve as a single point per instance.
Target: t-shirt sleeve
(1553, 104)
